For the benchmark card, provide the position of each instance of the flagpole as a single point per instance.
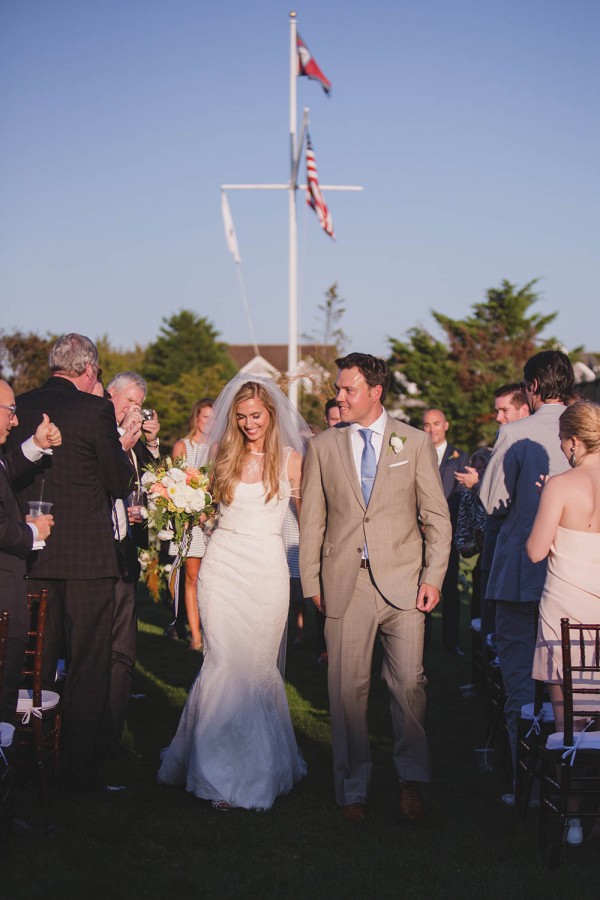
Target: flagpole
(293, 224)
(304, 65)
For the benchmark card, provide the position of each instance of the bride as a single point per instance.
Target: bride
(235, 744)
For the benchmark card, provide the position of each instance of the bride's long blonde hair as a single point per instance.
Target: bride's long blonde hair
(230, 456)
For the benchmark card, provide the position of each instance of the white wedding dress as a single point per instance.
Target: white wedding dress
(235, 740)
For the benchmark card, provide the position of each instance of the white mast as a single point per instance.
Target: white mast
(291, 187)
(293, 223)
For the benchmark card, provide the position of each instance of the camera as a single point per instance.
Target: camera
(147, 414)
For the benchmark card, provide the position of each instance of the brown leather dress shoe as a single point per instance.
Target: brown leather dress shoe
(354, 812)
(411, 804)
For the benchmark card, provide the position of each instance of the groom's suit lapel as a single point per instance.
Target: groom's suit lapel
(344, 443)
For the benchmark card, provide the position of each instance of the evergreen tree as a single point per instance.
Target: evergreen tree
(480, 352)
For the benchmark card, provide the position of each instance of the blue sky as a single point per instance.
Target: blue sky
(473, 127)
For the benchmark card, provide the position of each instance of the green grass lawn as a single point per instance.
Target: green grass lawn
(159, 842)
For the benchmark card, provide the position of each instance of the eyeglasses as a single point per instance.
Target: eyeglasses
(12, 409)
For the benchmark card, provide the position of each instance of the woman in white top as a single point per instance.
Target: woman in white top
(194, 448)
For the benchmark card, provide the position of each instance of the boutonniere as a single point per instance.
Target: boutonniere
(455, 455)
(396, 443)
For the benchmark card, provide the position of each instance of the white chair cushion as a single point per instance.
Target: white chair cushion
(25, 703)
(584, 740)
(527, 712)
(7, 732)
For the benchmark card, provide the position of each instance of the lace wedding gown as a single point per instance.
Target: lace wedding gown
(235, 740)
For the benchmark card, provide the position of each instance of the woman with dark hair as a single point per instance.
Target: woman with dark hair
(194, 448)
(235, 743)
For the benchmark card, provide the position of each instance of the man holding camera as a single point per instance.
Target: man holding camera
(127, 392)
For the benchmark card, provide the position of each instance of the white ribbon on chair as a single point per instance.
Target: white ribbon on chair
(572, 751)
(36, 710)
(535, 725)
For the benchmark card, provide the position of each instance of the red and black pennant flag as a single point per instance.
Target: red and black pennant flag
(307, 66)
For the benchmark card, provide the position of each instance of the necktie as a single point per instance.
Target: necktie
(368, 464)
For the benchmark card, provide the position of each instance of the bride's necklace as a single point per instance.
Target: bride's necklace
(254, 466)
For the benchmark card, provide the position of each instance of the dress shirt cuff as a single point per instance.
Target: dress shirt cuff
(32, 452)
(34, 531)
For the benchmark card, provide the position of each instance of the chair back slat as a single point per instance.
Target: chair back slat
(31, 673)
(586, 641)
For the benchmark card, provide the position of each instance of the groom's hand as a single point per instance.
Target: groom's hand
(319, 602)
(427, 598)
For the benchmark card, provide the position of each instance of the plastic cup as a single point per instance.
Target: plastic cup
(39, 508)
(135, 504)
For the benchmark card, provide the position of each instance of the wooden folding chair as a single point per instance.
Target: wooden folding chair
(6, 737)
(536, 722)
(37, 736)
(571, 760)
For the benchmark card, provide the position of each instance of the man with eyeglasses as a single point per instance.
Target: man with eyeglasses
(79, 563)
(17, 535)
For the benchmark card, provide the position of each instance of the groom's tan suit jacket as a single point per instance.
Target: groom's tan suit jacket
(335, 524)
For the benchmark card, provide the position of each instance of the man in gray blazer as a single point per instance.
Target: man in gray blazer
(524, 450)
(374, 543)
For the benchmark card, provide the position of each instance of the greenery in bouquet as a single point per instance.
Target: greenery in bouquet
(178, 499)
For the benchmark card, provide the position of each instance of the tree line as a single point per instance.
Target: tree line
(457, 372)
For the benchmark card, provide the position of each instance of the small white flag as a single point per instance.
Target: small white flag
(229, 229)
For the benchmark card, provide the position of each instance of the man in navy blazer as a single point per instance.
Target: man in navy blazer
(450, 461)
(17, 534)
(523, 451)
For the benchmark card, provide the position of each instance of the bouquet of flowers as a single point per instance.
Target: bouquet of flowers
(178, 497)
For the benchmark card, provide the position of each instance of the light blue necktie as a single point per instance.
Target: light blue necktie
(368, 464)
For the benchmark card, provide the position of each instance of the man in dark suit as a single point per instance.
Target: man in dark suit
(450, 461)
(17, 535)
(79, 564)
(127, 392)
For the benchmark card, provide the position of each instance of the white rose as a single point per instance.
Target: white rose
(167, 481)
(197, 501)
(177, 475)
(148, 478)
(179, 499)
(166, 534)
(396, 443)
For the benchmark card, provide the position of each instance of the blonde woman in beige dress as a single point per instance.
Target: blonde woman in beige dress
(567, 530)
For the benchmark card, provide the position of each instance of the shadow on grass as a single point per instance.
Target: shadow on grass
(157, 842)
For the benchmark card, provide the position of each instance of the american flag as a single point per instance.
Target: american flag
(308, 66)
(314, 197)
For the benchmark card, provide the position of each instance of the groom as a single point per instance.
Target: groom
(374, 544)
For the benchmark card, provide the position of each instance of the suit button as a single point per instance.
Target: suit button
(359, 549)
(367, 519)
